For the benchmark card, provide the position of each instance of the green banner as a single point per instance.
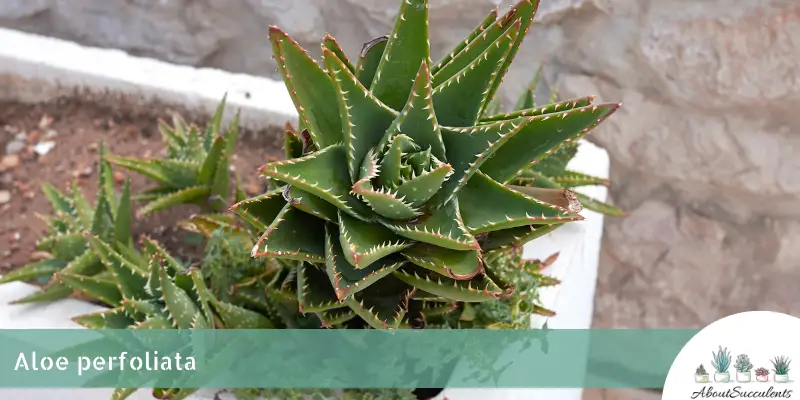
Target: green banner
(77, 358)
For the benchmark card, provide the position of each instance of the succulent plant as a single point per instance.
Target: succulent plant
(394, 188)
(64, 248)
(743, 363)
(196, 169)
(761, 372)
(552, 171)
(721, 359)
(701, 370)
(781, 365)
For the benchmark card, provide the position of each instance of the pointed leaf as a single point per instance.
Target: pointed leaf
(523, 12)
(83, 209)
(599, 206)
(179, 305)
(130, 278)
(390, 171)
(261, 211)
(101, 289)
(546, 109)
(122, 394)
(54, 291)
(323, 174)
(386, 203)
(518, 208)
(220, 186)
(336, 317)
(105, 179)
(154, 323)
(345, 278)
(407, 48)
(310, 88)
(468, 149)
(292, 143)
(423, 187)
(114, 318)
(122, 223)
(60, 202)
(209, 167)
(314, 290)
(152, 248)
(43, 268)
(313, 205)
(460, 99)
(382, 306)
(418, 120)
(330, 43)
(364, 243)
(87, 263)
(475, 290)
(369, 58)
(233, 317)
(294, 235)
(364, 118)
(571, 179)
(540, 137)
(516, 236)
(183, 196)
(455, 264)
(442, 227)
(487, 21)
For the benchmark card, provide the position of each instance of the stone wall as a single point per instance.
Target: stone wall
(705, 151)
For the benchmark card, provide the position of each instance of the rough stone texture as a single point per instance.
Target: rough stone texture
(705, 151)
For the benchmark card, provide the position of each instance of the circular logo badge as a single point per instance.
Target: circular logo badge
(743, 356)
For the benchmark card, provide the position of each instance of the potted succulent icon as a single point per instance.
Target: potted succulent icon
(781, 368)
(762, 374)
(700, 375)
(721, 362)
(743, 367)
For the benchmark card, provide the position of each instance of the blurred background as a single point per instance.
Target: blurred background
(705, 152)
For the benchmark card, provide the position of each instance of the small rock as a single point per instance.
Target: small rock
(17, 236)
(51, 133)
(45, 122)
(6, 178)
(119, 177)
(15, 146)
(86, 172)
(9, 161)
(21, 136)
(43, 148)
(29, 195)
(93, 147)
(5, 196)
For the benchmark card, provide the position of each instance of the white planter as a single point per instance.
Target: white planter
(782, 378)
(762, 378)
(743, 376)
(722, 377)
(701, 378)
(36, 69)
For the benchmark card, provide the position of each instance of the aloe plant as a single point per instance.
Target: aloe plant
(395, 188)
(781, 365)
(196, 168)
(721, 360)
(552, 171)
(64, 248)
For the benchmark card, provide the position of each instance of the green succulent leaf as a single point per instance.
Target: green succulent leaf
(52, 292)
(281, 237)
(130, 279)
(104, 290)
(114, 318)
(489, 20)
(600, 207)
(441, 227)
(329, 43)
(38, 269)
(407, 48)
(314, 290)
(261, 210)
(534, 111)
(516, 236)
(455, 264)
(460, 99)
(323, 174)
(182, 196)
(469, 291)
(311, 89)
(365, 243)
(540, 137)
(571, 179)
(180, 306)
(346, 278)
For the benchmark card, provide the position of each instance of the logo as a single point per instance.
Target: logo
(753, 361)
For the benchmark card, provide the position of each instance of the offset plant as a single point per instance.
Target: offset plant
(65, 250)
(394, 188)
(196, 169)
(552, 171)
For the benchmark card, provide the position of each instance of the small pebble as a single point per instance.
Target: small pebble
(9, 161)
(43, 148)
(5, 196)
(119, 177)
(15, 146)
(40, 255)
(51, 133)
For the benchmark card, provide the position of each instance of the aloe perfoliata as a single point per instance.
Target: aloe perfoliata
(64, 248)
(196, 169)
(394, 186)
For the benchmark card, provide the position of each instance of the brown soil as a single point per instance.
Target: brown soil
(79, 127)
